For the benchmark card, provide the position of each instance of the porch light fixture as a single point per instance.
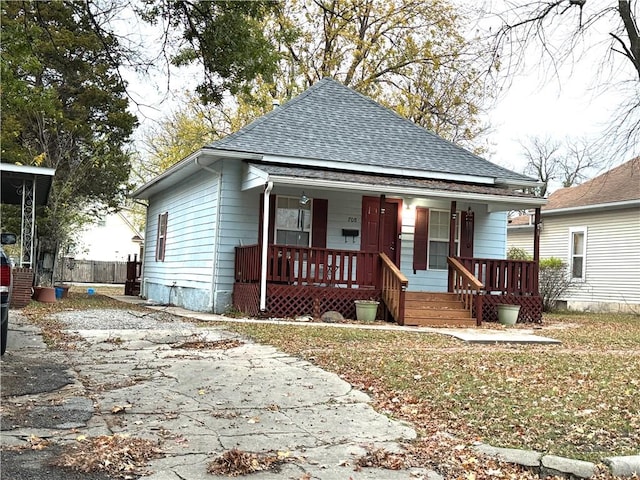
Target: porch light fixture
(304, 199)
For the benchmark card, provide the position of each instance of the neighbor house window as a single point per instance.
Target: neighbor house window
(439, 238)
(161, 239)
(293, 222)
(578, 252)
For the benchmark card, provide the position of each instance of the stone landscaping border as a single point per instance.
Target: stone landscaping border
(621, 467)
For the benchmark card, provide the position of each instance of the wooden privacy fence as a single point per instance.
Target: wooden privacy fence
(92, 271)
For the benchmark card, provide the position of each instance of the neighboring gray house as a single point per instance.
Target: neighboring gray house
(595, 228)
(335, 180)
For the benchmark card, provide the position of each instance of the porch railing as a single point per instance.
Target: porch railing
(467, 287)
(394, 286)
(309, 266)
(508, 277)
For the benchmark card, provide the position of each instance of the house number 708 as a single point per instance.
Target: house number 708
(353, 219)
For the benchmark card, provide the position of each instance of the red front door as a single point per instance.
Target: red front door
(386, 212)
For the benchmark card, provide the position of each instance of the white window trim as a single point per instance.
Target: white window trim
(310, 231)
(572, 231)
(429, 238)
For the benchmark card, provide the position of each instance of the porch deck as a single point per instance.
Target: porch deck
(311, 281)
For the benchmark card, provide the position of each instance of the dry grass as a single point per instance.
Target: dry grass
(579, 399)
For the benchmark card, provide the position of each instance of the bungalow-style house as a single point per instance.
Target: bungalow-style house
(331, 198)
(595, 228)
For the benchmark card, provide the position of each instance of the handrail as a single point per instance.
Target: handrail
(467, 287)
(295, 265)
(394, 286)
(508, 277)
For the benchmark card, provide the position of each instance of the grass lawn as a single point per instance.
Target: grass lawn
(580, 399)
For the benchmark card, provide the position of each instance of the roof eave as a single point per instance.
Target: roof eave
(592, 208)
(184, 168)
(531, 202)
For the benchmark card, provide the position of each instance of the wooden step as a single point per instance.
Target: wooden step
(440, 322)
(436, 309)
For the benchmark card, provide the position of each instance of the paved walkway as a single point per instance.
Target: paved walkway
(471, 335)
(195, 403)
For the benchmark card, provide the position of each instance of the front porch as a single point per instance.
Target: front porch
(311, 281)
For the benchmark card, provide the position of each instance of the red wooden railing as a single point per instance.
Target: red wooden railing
(467, 287)
(134, 272)
(508, 277)
(394, 286)
(309, 266)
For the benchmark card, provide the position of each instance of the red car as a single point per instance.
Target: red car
(5, 288)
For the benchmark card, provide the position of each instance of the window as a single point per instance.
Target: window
(578, 252)
(161, 239)
(293, 222)
(439, 239)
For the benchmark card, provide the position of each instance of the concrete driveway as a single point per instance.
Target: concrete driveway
(196, 393)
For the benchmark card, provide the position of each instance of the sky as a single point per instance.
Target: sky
(535, 104)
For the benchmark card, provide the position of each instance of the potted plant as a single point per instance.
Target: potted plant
(366, 310)
(508, 314)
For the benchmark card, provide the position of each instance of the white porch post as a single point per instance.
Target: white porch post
(265, 245)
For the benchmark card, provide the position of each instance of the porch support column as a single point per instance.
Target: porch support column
(27, 192)
(452, 243)
(265, 246)
(536, 236)
(381, 212)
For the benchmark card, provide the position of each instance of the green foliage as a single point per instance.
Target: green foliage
(64, 106)
(553, 281)
(225, 37)
(515, 253)
(406, 54)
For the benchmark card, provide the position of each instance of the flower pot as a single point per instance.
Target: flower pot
(508, 314)
(366, 310)
(46, 295)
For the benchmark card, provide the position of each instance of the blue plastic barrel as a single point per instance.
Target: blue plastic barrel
(59, 292)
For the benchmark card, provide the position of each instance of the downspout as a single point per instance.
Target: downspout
(214, 271)
(265, 245)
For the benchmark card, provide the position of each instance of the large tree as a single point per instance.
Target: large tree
(64, 107)
(407, 54)
(564, 33)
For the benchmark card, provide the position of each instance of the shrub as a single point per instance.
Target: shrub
(515, 253)
(553, 280)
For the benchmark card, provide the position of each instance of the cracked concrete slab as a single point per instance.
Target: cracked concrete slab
(198, 403)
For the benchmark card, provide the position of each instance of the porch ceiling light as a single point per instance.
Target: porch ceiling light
(304, 199)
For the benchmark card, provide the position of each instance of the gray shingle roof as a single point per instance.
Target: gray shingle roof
(332, 122)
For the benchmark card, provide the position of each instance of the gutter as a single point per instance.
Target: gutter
(409, 191)
(265, 245)
(592, 208)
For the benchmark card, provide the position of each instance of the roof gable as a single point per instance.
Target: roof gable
(620, 184)
(334, 123)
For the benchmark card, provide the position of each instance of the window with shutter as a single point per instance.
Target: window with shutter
(161, 238)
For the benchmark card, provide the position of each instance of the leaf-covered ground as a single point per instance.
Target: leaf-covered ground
(579, 399)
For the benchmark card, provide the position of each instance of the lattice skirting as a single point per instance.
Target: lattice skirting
(290, 301)
(530, 307)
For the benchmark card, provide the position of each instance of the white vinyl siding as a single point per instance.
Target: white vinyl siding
(188, 257)
(612, 264)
